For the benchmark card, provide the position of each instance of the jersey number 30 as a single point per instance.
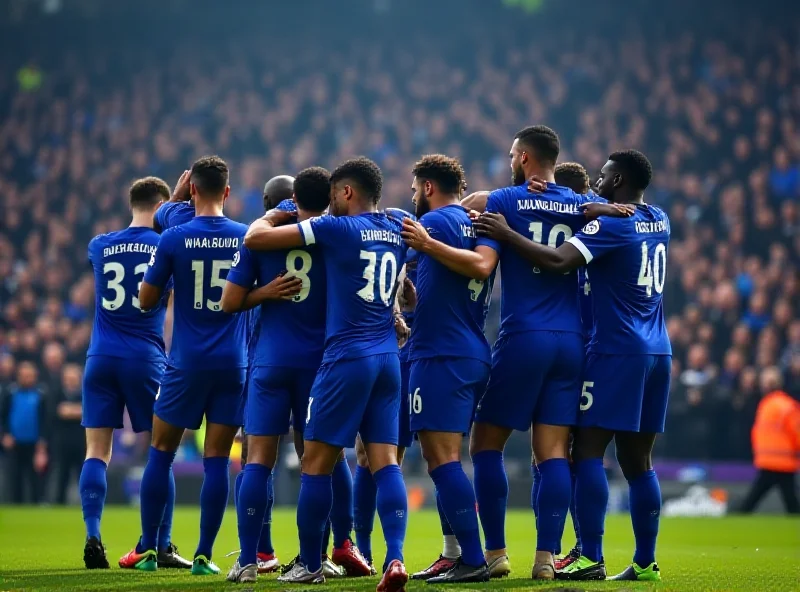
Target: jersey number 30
(386, 266)
(653, 272)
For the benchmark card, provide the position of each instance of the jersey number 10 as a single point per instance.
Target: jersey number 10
(536, 229)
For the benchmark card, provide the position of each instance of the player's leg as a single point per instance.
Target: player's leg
(364, 502)
(555, 415)
(634, 453)
(788, 489)
(337, 402)
(379, 431)
(445, 394)
(760, 487)
(267, 412)
(224, 413)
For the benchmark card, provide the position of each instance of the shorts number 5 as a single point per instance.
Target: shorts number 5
(586, 397)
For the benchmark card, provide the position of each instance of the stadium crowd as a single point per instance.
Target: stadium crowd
(718, 114)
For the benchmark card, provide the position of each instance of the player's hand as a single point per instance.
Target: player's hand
(473, 215)
(408, 295)
(494, 226)
(415, 235)
(8, 441)
(401, 330)
(278, 217)
(537, 185)
(40, 460)
(594, 210)
(283, 287)
(182, 191)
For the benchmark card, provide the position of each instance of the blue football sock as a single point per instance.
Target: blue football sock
(213, 500)
(447, 530)
(342, 510)
(575, 524)
(237, 485)
(392, 510)
(165, 529)
(313, 508)
(93, 487)
(553, 503)
(458, 501)
(265, 540)
(645, 501)
(154, 495)
(591, 503)
(365, 496)
(537, 482)
(251, 510)
(326, 537)
(491, 491)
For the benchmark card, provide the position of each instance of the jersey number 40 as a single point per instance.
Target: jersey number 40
(653, 272)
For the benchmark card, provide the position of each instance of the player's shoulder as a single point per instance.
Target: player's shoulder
(399, 214)
(237, 226)
(446, 216)
(504, 194)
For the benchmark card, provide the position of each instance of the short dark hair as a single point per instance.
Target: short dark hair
(572, 175)
(363, 172)
(635, 167)
(147, 193)
(446, 172)
(210, 175)
(542, 141)
(312, 189)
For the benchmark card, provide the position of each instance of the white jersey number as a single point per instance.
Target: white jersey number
(299, 271)
(198, 267)
(387, 266)
(536, 229)
(115, 284)
(653, 272)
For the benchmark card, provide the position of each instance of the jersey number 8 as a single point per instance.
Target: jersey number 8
(115, 284)
(300, 271)
(387, 266)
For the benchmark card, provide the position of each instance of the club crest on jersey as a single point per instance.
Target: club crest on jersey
(591, 228)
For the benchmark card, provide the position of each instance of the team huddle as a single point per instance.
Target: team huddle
(363, 327)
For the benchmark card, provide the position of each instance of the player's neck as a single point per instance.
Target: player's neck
(441, 200)
(204, 207)
(629, 199)
(357, 209)
(303, 215)
(547, 174)
(142, 220)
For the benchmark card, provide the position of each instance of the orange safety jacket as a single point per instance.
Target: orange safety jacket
(776, 434)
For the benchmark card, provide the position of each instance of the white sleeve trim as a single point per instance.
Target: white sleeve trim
(308, 232)
(578, 244)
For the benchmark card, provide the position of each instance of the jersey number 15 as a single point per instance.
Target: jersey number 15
(217, 281)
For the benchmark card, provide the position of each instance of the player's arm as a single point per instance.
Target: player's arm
(476, 201)
(236, 298)
(158, 274)
(563, 259)
(478, 264)
(269, 233)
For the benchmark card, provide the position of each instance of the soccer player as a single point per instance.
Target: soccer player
(179, 209)
(357, 388)
(278, 190)
(124, 363)
(449, 359)
(539, 312)
(206, 368)
(285, 363)
(626, 377)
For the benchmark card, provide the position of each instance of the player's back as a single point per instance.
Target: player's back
(363, 256)
(627, 276)
(121, 328)
(451, 308)
(293, 330)
(532, 299)
(173, 213)
(202, 252)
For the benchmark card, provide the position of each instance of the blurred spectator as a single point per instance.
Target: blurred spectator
(23, 416)
(68, 435)
(776, 444)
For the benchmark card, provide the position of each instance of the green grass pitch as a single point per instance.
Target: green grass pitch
(42, 549)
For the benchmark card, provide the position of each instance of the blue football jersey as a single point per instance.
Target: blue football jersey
(253, 331)
(198, 255)
(585, 285)
(122, 329)
(411, 273)
(173, 213)
(627, 260)
(296, 328)
(532, 299)
(363, 256)
(451, 308)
